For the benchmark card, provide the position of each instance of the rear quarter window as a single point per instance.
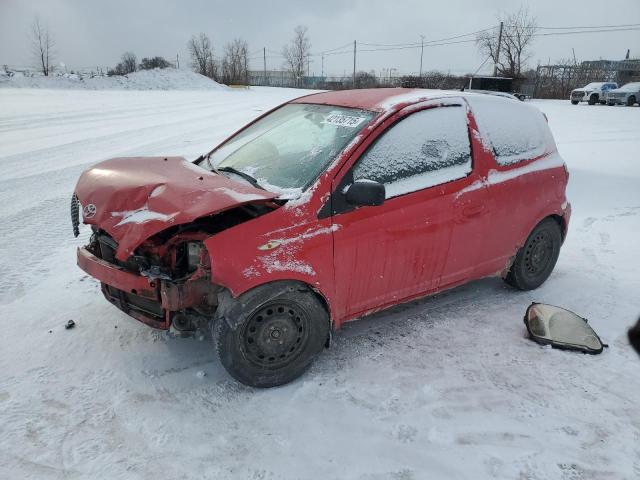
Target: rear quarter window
(516, 131)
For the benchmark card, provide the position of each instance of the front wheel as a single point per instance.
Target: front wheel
(593, 99)
(574, 102)
(534, 262)
(275, 333)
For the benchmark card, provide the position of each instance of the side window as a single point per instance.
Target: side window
(516, 131)
(425, 149)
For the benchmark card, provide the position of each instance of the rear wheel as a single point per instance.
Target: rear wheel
(534, 262)
(593, 99)
(631, 100)
(277, 331)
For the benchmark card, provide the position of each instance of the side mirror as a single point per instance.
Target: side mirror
(560, 328)
(366, 193)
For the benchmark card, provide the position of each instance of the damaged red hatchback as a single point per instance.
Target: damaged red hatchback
(323, 210)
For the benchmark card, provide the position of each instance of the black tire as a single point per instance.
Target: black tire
(593, 99)
(603, 102)
(275, 332)
(611, 104)
(534, 262)
(631, 100)
(574, 102)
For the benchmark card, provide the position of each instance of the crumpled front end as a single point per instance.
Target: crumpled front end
(149, 218)
(161, 285)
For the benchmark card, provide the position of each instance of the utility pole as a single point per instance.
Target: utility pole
(322, 74)
(177, 62)
(246, 68)
(495, 66)
(575, 62)
(264, 58)
(421, 53)
(354, 64)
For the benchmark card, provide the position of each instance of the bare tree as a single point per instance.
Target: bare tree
(127, 65)
(297, 53)
(129, 62)
(517, 36)
(234, 62)
(202, 59)
(43, 44)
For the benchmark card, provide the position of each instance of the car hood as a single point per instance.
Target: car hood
(133, 199)
(581, 90)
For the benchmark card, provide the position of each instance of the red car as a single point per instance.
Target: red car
(323, 210)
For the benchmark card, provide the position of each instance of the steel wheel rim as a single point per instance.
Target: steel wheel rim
(538, 254)
(275, 334)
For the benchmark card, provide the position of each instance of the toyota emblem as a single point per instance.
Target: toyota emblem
(89, 211)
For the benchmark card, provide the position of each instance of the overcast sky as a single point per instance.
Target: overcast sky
(96, 32)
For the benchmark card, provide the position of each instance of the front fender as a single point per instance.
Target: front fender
(262, 251)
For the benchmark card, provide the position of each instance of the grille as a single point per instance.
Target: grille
(75, 215)
(577, 94)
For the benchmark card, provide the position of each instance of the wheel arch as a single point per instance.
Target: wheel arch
(561, 221)
(229, 308)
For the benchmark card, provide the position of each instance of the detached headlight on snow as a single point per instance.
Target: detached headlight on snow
(560, 328)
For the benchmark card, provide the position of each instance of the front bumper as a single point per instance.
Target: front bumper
(577, 96)
(151, 301)
(616, 100)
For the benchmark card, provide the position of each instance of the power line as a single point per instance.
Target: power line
(590, 26)
(333, 49)
(587, 31)
(427, 41)
(580, 32)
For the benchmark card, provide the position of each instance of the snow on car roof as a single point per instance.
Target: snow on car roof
(376, 99)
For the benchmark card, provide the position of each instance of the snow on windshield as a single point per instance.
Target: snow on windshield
(289, 148)
(631, 87)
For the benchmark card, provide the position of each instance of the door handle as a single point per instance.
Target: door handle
(473, 210)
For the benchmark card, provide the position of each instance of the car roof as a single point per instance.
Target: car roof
(377, 99)
(493, 92)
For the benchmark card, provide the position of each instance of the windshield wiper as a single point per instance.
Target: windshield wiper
(246, 176)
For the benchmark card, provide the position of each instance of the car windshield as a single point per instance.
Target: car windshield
(289, 148)
(631, 87)
(594, 85)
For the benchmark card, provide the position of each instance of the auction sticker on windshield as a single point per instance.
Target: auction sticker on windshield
(342, 120)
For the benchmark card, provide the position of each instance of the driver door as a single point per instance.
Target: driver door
(388, 253)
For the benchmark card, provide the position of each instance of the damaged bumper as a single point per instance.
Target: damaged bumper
(154, 302)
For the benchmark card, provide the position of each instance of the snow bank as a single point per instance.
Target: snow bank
(157, 79)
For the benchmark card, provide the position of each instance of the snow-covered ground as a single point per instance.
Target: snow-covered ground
(444, 388)
(156, 79)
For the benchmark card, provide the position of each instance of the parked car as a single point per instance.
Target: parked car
(323, 210)
(626, 95)
(592, 93)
